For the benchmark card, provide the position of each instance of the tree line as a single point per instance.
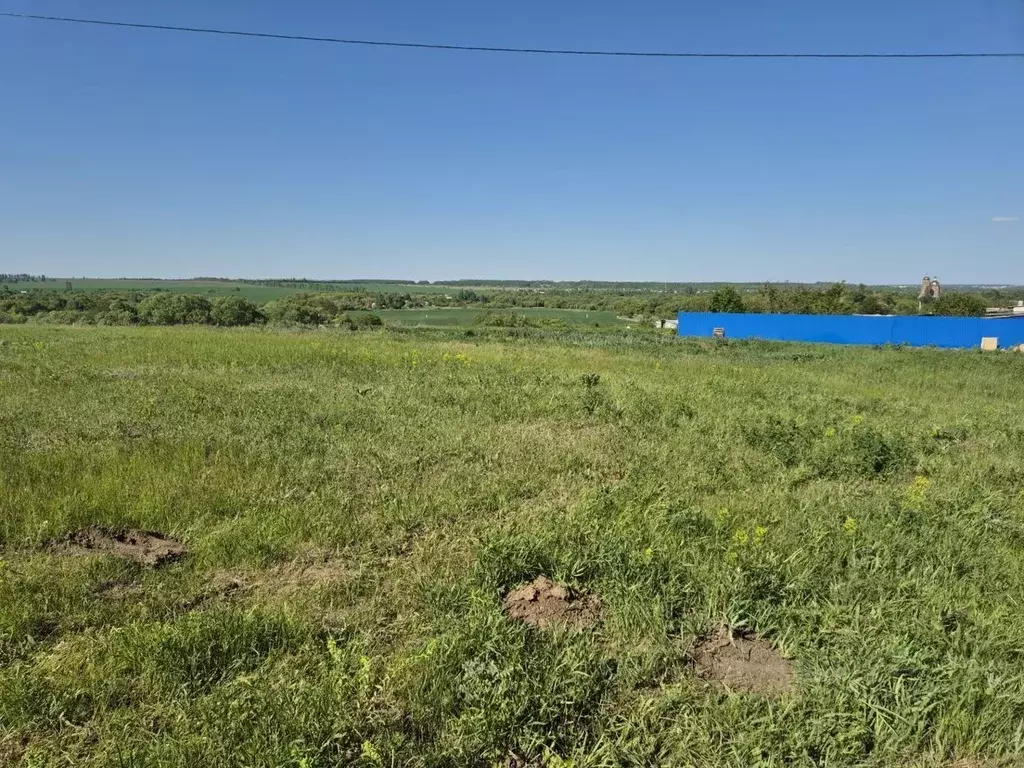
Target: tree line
(840, 299)
(163, 308)
(835, 299)
(24, 278)
(347, 309)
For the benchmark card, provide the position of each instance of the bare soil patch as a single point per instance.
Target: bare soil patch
(145, 547)
(543, 603)
(741, 661)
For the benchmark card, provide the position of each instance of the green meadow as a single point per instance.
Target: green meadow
(347, 513)
(251, 291)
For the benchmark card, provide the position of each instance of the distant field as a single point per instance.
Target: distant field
(463, 316)
(259, 293)
(256, 293)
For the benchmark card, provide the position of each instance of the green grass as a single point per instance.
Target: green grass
(376, 493)
(258, 293)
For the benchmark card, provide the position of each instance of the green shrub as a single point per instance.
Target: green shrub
(302, 309)
(859, 450)
(960, 304)
(501, 320)
(61, 317)
(851, 448)
(235, 311)
(369, 321)
(175, 309)
(785, 438)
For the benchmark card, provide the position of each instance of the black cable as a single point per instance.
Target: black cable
(497, 49)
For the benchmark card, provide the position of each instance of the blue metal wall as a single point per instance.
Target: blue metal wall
(917, 331)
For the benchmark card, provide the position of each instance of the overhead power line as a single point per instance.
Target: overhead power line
(501, 49)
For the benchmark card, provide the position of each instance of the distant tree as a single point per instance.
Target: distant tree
(727, 299)
(120, 311)
(959, 304)
(870, 304)
(235, 310)
(192, 309)
(175, 309)
(832, 300)
(769, 294)
(467, 296)
(859, 294)
(302, 309)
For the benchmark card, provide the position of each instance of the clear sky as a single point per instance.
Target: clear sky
(134, 153)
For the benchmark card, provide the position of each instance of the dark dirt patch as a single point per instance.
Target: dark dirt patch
(149, 549)
(741, 661)
(543, 603)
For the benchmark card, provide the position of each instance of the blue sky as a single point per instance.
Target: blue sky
(160, 154)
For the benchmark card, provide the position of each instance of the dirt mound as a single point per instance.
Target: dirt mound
(543, 603)
(145, 547)
(741, 661)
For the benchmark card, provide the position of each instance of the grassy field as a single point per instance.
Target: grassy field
(258, 293)
(464, 316)
(357, 506)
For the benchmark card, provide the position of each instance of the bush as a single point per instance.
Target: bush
(860, 451)
(174, 309)
(62, 317)
(960, 305)
(302, 309)
(360, 321)
(788, 440)
(501, 320)
(847, 449)
(872, 305)
(234, 311)
(120, 312)
(369, 321)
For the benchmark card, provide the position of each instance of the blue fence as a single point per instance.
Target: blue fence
(917, 331)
